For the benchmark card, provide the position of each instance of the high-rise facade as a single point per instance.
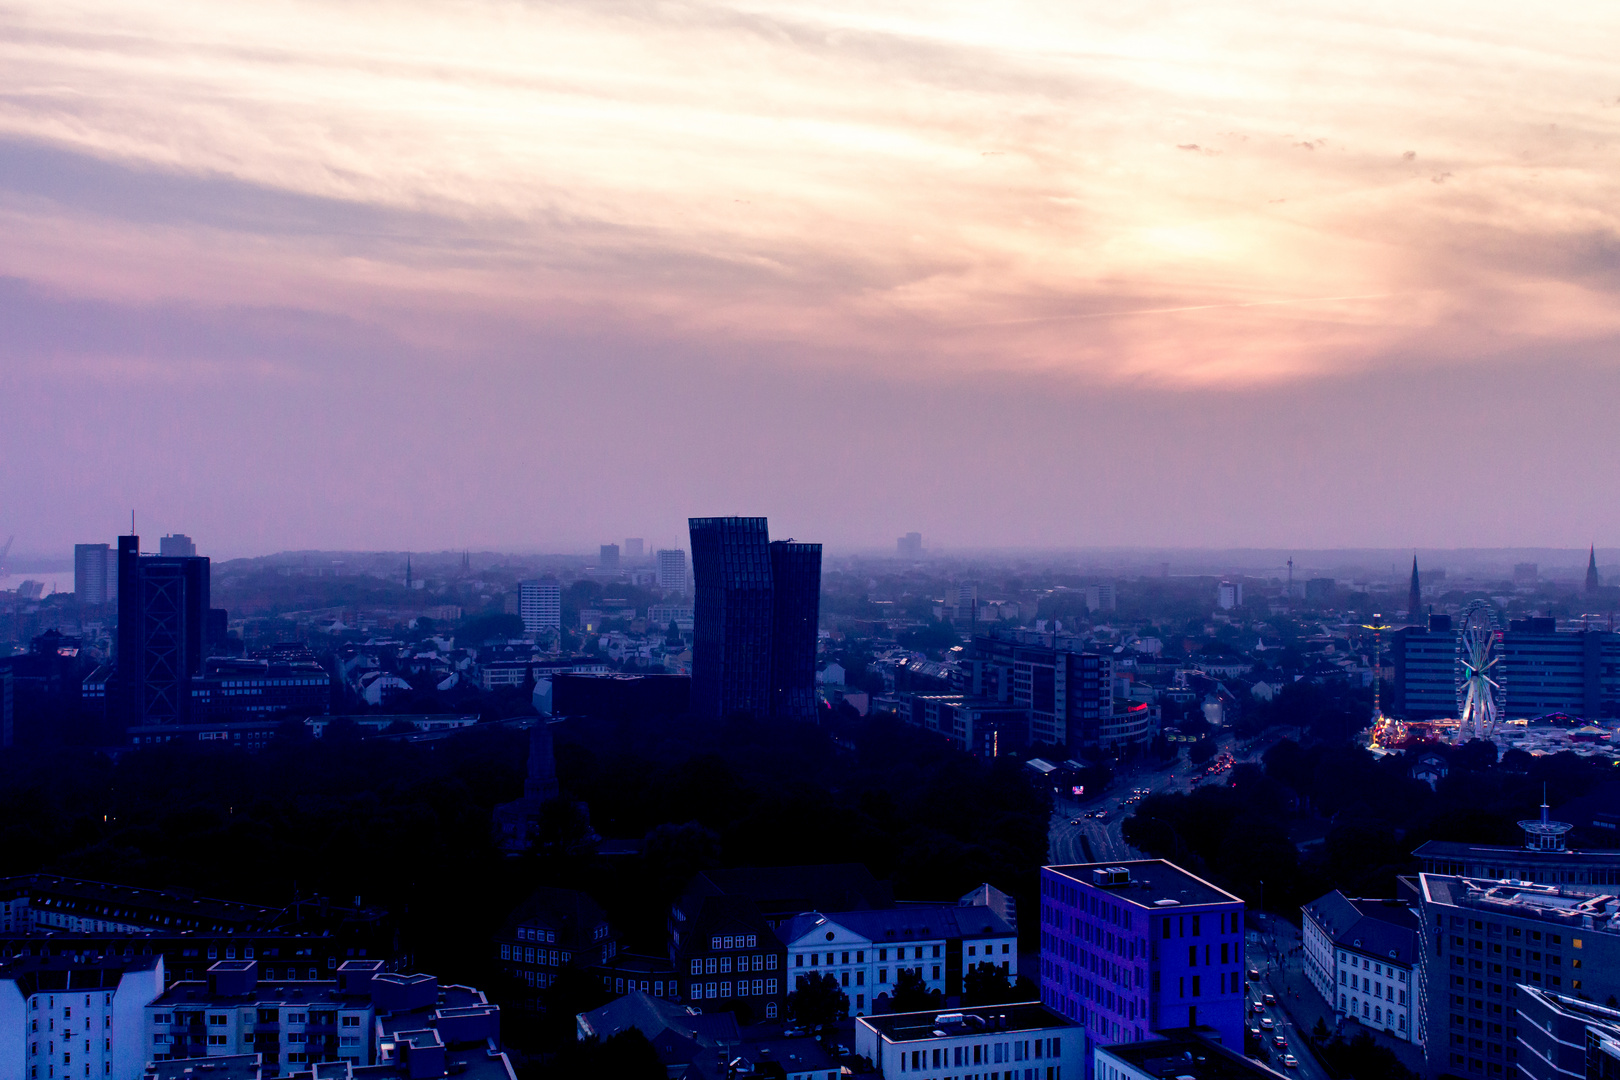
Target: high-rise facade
(755, 616)
(609, 557)
(795, 617)
(540, 605)
(672, 569)
(1130, 948)
(177, 544)
(634, 548)
(1546, 670)
(95, 573)
(731, 617)
(909, 546)
(163, 616)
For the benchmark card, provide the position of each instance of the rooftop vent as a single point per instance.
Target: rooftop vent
(1105, 877)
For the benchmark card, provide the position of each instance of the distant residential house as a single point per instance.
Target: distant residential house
(833, 674)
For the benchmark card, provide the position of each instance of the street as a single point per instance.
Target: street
(1298, 1004)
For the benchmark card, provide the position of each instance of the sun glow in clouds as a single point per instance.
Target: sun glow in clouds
(1220, 194)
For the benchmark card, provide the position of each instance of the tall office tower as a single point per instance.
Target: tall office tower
(731, 618)
(610, 557)
(672, 569)
(795, 614)
(1130, 948)
(92, 565)
(540, 604)
(909, 546)
(635, 548)
(176, 544)
(967, 603)
(1414, 599)
(162, 632)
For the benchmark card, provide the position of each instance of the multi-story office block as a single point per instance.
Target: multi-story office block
(672, 569)
(95, 573)
(867, 951)
(795, 616)
(1130, 948)
(65, 1017)
(1425, 662)
(1361, 955)
(982, 726)
(163, 618)
(1543, 858)
(909, 546)
(1023, 1040)
(177, 544)
(635, 548)
(1069, 694)
(608, 559)
(540, 604)
(1486, 940)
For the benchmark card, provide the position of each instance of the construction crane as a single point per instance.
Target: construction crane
(4, 551)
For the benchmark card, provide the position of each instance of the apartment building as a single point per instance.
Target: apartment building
(61, 1017)
(1131, 948)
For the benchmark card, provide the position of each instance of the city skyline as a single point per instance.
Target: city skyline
(302, 277)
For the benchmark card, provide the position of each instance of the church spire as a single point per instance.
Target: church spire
(1414, 599)
(1592, 581)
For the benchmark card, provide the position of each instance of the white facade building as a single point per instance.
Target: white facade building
(1228, 595)
(1362, 957)
(1027, 1041)
(540, 604)
(672, 569)
(866, 951)
(61, 1019)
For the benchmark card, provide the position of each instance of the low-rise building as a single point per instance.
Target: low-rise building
(1362, 957)
(554, 929)
(708, 1046)
(867, 951)
(1004, 1039)
(61, 1017)
(363, 1017)
(727, 957)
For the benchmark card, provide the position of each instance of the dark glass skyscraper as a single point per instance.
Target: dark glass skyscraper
(731, 616)
(795, 607)
(754, 620)
(163, 615)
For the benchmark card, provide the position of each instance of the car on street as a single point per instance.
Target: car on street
(1254, 973)
(1290, 1061)
(1280, 1042)
(1259, 1008)
(1266, 1024)
(1075, 820)
(1271, 999)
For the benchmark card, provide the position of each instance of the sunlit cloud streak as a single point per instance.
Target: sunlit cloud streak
(953, 187)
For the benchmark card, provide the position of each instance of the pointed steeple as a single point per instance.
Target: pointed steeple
(1592, 581)
(1414, 599)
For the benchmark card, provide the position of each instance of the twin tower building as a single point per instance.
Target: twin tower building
(755, 613)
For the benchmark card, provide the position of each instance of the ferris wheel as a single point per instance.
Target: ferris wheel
(1481, 688)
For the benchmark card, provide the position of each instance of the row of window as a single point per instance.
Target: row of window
(528, 954)
(50, 1046)
(917, 952)
(948, 1057)
(734, 941)
(1376, 1015)
(721, 965)
(698, 991)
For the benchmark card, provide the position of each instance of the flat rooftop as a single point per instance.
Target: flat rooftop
(1454, 849)
(1575, 907)
(1189, 1054)
(267, 991)
(1151, 882)
(234, 1067)
(969, 1020)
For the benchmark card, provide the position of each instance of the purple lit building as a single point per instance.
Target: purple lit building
(1130, 948)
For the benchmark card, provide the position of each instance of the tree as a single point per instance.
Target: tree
(910, 992)
(986, 984)
(1201, 751)
(1319, 1033)
(818, 1002)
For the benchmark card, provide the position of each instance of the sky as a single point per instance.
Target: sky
(537, 276)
